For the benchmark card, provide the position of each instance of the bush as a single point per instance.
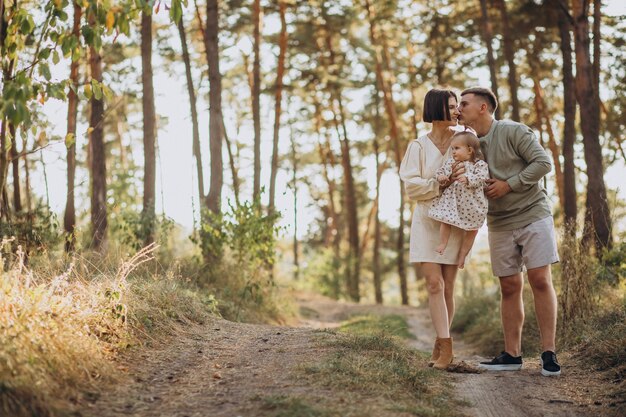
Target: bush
(478, 320)
(325, 273)
(612, 269)
(35, 231)
(130, 228)
(246, 230)
(238, 248)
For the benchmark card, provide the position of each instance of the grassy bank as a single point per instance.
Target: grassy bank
(63, 323)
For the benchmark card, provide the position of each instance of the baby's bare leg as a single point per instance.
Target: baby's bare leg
(444, 235)
(468, 241)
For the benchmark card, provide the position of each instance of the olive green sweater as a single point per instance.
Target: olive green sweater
(514, 155)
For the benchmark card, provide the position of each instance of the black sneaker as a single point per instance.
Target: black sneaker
(503, 362)
(549, 365)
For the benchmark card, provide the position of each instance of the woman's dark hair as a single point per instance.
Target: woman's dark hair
(471, 140)
(436, 105)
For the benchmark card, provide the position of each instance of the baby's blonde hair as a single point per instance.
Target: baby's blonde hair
(471, 140)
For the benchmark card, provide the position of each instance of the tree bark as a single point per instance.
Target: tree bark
(378, 292)
(27, 193)
(353, 270)
(256, 98)
(394, 134)
(213, 200)
(491, 61)
(69, 219)
(282, 42)
(15, 162)
(544, 119)
(509, 54)
(99, 222)
(597, 23)
(149, 128)
(197, 152)
(570, 207)
(294, 182)
(600, 228)
(334, 231)
(231, 161)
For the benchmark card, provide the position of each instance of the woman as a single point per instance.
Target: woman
(423, 157)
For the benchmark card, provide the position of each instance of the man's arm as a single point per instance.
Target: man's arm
(527, 146)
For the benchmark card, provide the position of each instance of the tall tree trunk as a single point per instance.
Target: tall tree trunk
(282, 42)
(509, 54)
(350, 201)
(231, 161)
(349, 190)
(491, 61)
(256, 98)
(414, 100)
(330, 65)
(378, 291)
(197, 152)
(597, 23)
(327, 158)
(4, 157)
(213, 199)
(597, 205)
(98, 158)
(294, 182)
(149, 128)
(390, 108)
(544, 119)
(15, 161)
(29, 204)
(69, 219)
(570, 207)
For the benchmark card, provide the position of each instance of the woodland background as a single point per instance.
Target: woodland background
(292, 110)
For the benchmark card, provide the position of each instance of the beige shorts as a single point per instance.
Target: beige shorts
(531, 246)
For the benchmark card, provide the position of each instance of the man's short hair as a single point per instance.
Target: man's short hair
(436, 105)
(486, 94)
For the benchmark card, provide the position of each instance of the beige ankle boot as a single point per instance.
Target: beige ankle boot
(445, 353)
(435, 354)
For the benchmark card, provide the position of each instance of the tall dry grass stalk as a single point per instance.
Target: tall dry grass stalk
(576, 280)
(59, 333)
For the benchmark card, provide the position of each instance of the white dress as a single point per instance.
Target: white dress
(462, 205)
(417, 171)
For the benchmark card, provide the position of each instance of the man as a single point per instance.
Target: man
(521, 228)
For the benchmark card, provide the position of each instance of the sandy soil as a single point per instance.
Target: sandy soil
(227, 369)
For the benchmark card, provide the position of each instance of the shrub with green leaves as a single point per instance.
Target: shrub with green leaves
(246, 230)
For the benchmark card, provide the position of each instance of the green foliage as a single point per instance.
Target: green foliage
(612, 268)
(238, 248)
(325, 271)
(478, 321)
(130, 228)
(246, 230)
(36, 231)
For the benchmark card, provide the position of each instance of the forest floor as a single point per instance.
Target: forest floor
(224, 368)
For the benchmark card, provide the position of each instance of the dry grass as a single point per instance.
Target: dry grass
(379, 373)
(60, 332)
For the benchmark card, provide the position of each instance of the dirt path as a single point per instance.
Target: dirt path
(489, 394)
(234, 369)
